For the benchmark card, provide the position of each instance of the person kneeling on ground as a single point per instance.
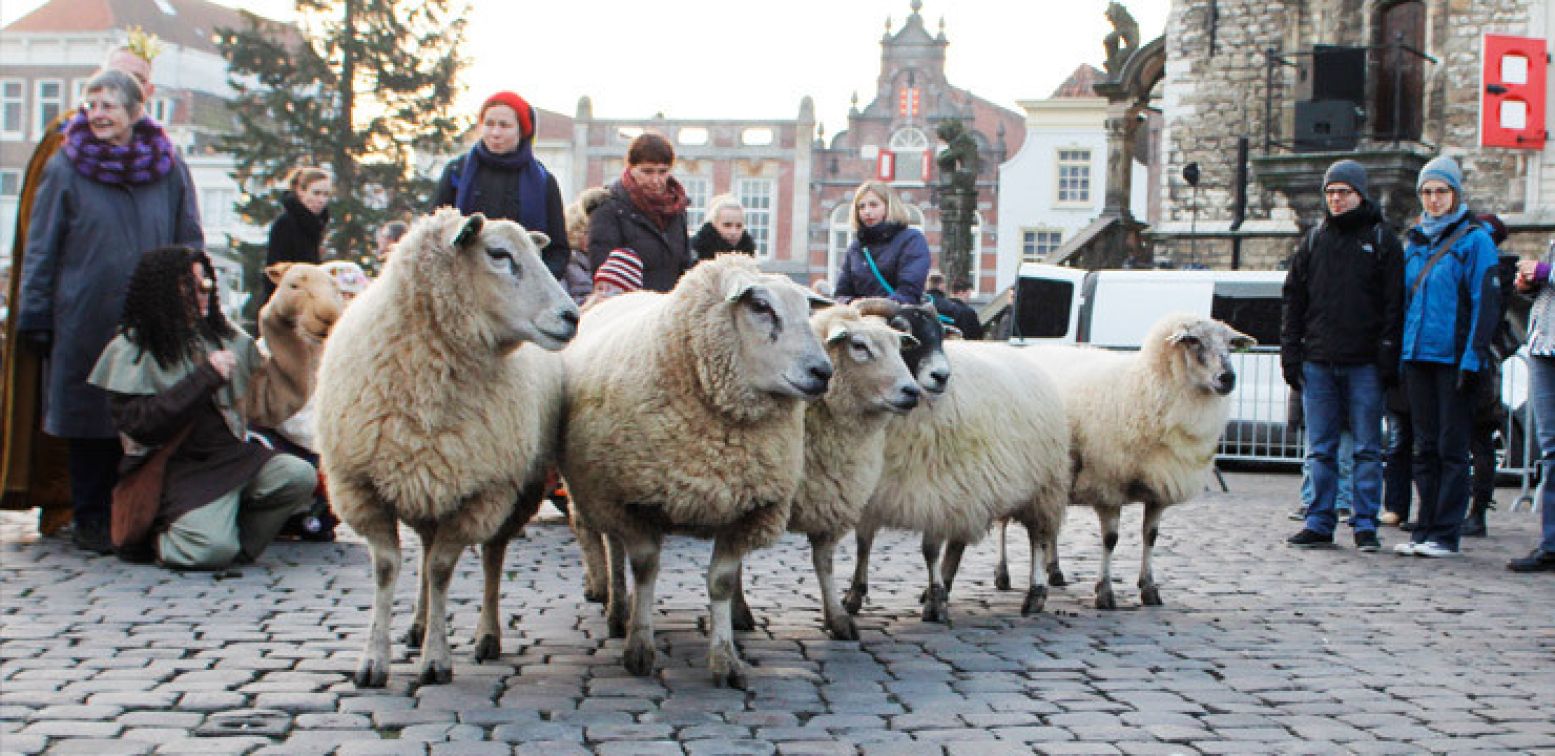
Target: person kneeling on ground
(176, 373)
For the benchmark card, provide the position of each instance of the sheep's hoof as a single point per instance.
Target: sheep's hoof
(853, 600)
(595, 595)
(1055, 577)
(728, 671)
(1104, 597)
(414, 635)
(436, 673)
(1150, 595)
(742, 620)
(1036, 598)
(1001, 577)
(371, 673)
(842, 628)
(487, 648)
(936, 607)
(638, 657)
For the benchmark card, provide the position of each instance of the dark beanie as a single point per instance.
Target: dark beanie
(1347, 172)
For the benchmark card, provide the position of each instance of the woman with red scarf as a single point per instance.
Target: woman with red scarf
(500, 177)
(645, 213)
(115, 190)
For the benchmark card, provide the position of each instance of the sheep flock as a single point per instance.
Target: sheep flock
(735, 408)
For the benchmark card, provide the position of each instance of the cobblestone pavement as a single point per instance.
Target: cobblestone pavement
(1260, 649)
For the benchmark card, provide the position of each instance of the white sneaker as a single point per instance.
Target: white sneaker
(1434, 550)
(1406, 548)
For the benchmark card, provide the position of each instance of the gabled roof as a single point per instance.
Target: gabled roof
(1081, 83)
(187, 23)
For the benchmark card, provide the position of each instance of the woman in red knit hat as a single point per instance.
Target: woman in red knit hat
(501, 178)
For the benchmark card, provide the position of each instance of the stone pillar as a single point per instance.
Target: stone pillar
(1120, 125)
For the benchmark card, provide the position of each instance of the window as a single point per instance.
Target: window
(10, 183)
(216, 208)
(1038, 243)
(12, 108)
(1042, 308)
(909, 148)
(51, 102)
(841, 234)
(77, 91)
(757, 197)
(697, 194)
(160, 109)
(1074, 176)
(1399, 76)
(694, 136)
(757, 136)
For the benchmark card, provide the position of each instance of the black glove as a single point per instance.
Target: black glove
(1292, 375)
(1467, 380)
(1388, 374)
(42, 341)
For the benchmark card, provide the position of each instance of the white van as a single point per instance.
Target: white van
(1115, 309)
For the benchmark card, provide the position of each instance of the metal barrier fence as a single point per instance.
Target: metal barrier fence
(1258, 428)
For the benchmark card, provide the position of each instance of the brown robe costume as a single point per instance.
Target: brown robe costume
(33, 469)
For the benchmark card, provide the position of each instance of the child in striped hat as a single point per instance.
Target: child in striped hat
(620, 273)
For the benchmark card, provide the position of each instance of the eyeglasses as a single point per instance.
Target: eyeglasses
(1338, 191)
(1435, 191)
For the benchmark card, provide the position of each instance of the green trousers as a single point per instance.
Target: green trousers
(243, 521)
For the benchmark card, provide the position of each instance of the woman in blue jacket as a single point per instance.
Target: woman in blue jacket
(886, 258)
(1451, 301)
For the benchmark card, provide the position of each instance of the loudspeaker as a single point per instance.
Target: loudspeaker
(1327, 125)
(1339, 73)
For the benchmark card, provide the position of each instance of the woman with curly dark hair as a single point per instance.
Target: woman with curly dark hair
(176, 373)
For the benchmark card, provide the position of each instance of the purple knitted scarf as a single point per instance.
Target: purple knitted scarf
(148, 156)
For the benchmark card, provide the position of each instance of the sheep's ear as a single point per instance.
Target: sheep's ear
(539, 239)
(276, 271)
(818, 302)
(470, 231)
(909, 341)
(739, 290)
(1182, 337)
(837, 333)
(1241, 340)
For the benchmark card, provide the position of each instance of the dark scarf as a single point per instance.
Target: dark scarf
(1360, 216)
(147, 158)
(312, 226)
(880, 233)
(661, 207)
(531, 181)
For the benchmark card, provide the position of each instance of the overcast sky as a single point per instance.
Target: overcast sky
(754, 58)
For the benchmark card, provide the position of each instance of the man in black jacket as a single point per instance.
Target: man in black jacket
(1339, 347)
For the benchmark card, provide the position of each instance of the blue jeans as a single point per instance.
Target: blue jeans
(1333, 398)
(1442, 415)
(1346, 496)
(1541, 373)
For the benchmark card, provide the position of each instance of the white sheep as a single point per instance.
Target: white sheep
(844, 444)
(993, 444)
(685, 415)
(1144, 425)
(438, 403)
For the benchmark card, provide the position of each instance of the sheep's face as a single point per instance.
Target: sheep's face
(518, 298)
(779, 350)
(926, 359)
(867, 355)
(1200, 351)
(306, 296)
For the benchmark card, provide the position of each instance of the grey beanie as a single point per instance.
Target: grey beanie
(1442, 169)
(1347, 172)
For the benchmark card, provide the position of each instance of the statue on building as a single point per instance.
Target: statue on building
(1123, 40)
(958, 168)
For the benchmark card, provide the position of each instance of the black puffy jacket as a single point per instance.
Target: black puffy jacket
(1343, 296)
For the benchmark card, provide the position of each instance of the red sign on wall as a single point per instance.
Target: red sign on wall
(885, 166)
(1512, 95)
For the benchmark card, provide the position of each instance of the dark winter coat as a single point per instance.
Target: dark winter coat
(903, 261)
(961, 314)
(297, 237)
(85, 239)
(1451, 318)
(708, 243)
(496, 196)
(618, 224)
(1343, 296)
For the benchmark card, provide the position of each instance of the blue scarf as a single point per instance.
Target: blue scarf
(1433, 227)
(531, 182)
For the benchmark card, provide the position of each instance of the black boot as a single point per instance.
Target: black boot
(1474, 523)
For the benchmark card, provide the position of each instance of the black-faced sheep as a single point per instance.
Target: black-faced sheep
(990, 441)
(1144, 425)
(438, 403)
(685, 415)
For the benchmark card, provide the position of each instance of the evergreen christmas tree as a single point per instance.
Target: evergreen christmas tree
(365, 88)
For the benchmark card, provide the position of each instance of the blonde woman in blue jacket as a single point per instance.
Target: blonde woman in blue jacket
(1450, 306)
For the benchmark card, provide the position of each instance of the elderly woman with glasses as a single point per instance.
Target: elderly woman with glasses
(1451, 303)
(116, 189)
(175, 377)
